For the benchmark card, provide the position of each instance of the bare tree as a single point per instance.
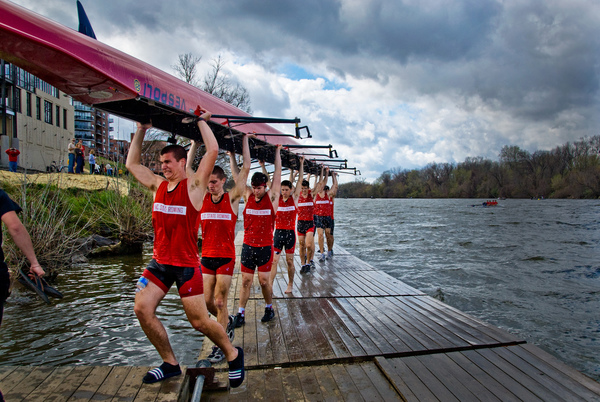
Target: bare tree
(216, 82)
(186, 68)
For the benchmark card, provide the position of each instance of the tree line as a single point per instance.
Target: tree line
(568, 171)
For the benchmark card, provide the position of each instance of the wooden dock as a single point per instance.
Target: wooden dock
(347, 332)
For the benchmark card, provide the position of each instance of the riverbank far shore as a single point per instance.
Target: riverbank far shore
(66, 180)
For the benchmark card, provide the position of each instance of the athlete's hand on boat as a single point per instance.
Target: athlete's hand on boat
(36, 269)
(144, 126)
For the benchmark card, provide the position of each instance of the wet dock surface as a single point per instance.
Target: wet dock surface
(347, 332)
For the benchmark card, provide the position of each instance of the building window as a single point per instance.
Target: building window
(65, 119)
(28, 103)
(57, 116)
(38, 108)
(18, 100)
(48, 112)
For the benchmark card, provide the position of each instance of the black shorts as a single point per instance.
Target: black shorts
(217, 265)
(303, 227)
(164, 276)
(284, 239)
(256, 257)
(323, 222)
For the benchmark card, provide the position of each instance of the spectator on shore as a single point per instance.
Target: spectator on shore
(71, 149)
(78, 158)
(109, 170)
(92, 161)
(13, 155)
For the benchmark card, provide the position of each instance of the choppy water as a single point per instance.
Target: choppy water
(529, 267)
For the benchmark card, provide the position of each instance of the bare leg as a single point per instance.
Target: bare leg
(321, 241)
(247, 279)
(274, 268)
(146, 302)
(221, 292)
(302, 250)
(209, 282)
(195, 309)
(329, 237)
(289, 258)
(265, 284)
(310, 246)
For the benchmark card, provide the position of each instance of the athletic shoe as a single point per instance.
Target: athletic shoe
(239, 320)
(322, 257)
(236, 369)
(312, 264)
(330, 254)
(160, 373)
(216, 355)
(305, 268)
(230, 328)
(269, 314)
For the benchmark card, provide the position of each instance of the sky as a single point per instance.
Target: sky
(391, 84)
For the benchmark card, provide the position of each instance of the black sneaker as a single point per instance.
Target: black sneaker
(304, 269)
(230, 328)
(239, 320)
(269, 314)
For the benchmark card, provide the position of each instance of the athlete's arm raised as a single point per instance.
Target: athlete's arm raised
(334, 187)
(276, 189)
(133, 164)
(235, 170)
(242, 177)
(298, 188)
(198, 182)
(264, 170)
(189, 169)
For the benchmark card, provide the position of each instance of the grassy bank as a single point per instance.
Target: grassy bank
(59, 210)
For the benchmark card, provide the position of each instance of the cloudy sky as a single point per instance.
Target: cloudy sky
(389, 83)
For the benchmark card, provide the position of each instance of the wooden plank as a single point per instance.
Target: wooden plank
(288, 328)
(381, 321)
(90, 384)
(396, 381)
(429, 379)
(459, 383)
(316, 347)
(365, 320)
(494, 332)
(28, 384)
(291, 384)
(67, 388)
(309, 383)
(5, 371)
(264, 345)
(493, 389)
(479, 358)
(380, 382)
(250, 335)
(256, 385)
(112, 382)
(411, 336)
(335, 322)
(572, 376)
(332, 336)
(432, 329)
(355, 330)
(14, 377)
(536, 373)
(327, 384)
(47, 389)
(273, 385)
(458, 328)
(277, 339)
(344, 382)
(131, 385)
(414, 383)
(363, 383)
(462, 320)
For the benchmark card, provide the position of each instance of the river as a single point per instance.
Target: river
(530, 267)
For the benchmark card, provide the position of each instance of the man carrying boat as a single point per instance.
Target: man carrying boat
(285, 220)
(257, 250)
(176, 219)
(306, 227)
(324, 213)
(218, 218)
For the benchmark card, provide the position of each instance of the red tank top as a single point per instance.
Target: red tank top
(306, 208)
(322, 205)
(176, 223)
(286, 214)
(259, 222)
(218, 227)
